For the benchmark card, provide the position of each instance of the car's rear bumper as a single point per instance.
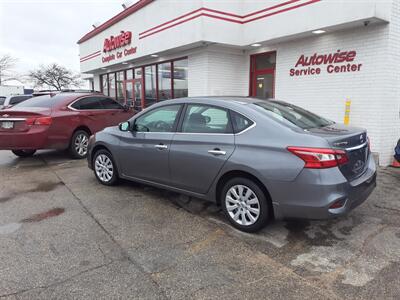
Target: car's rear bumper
(32, 139)
(313, 193)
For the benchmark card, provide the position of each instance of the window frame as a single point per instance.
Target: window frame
(254, 72)
(108, 75)
(89, 109)
(183, 114)
(253, 123)
(176, 122)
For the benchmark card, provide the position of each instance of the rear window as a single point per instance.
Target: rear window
(2, 99)
(295, 115)
(18, 99)
(41, 101)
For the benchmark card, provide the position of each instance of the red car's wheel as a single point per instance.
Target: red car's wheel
(79, 144)
(24, 153)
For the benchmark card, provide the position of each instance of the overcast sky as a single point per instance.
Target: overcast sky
(45, 31)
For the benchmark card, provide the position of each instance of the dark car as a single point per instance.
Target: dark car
(12, 100)
(257, 159)
(58, 121)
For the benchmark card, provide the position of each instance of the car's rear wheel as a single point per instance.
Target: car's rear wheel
(105, 168)
(79, 144)
(245, 204)
(24, 153)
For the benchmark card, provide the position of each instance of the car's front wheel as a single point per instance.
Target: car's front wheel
(105, 168)
(245, 204)
(79, 144)
(23, 153)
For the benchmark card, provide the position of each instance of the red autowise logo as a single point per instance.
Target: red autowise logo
(337, 62)
(116, 42)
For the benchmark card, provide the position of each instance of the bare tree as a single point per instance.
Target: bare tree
(55, 76)
(7, 63)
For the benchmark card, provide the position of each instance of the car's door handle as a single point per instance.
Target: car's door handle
(217, 152)
(161, 146)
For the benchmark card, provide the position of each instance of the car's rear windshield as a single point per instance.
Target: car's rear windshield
(41, 101)
(295, 115)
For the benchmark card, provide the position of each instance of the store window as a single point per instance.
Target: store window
(180, 76)
(120, 86)
(150, 85)
(111, 84)
(104, 84)
(262, 75)
(164, 81)
(137, 73)
(129, 74)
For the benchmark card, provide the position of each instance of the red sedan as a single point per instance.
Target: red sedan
(59, 121)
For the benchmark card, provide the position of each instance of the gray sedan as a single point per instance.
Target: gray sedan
(260, 160)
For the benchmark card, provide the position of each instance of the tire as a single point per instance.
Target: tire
(104, 168)
(23, 153)
(78, 147)
(237, 208)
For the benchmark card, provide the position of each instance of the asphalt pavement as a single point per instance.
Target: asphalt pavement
(63, 235)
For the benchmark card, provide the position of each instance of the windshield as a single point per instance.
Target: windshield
(295, 115)
(2, 99)
(41, 101)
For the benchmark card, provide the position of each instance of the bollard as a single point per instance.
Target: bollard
(347, 112)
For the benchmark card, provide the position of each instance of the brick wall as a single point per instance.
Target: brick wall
(374, 91)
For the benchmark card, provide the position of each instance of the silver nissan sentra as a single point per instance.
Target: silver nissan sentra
(259, 160)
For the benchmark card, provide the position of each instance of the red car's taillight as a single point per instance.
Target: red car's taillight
(320, 158)
(39, 121)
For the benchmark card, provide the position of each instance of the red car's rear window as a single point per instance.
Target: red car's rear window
(42, 101)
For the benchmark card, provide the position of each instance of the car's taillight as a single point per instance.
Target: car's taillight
(39, 121)
(320, 158)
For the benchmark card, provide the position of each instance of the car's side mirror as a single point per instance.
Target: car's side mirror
(124, 126)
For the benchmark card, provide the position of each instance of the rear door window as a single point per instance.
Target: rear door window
(108, 103)
(87, 103)
(206, 119)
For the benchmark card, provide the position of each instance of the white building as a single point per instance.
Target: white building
(314, 53)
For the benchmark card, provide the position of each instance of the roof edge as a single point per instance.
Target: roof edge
(122, 15)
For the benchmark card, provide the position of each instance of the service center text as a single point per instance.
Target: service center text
(337, 62)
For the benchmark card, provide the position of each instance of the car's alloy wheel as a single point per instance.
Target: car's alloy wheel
(245, 204)
(24, 153)
(79, 144)
(104, 168)
(242, 205)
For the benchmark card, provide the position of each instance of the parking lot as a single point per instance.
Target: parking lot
(63, 235)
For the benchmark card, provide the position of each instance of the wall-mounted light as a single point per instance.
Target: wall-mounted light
(255, 45)
(154, 55)
(124, 63)
(319, 31)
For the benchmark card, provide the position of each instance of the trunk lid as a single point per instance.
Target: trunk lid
(14, 120)
(351, 139)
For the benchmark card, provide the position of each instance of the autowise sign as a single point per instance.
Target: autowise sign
(113, 43)
(331, 63)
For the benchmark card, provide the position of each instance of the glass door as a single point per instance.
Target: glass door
(262, 75)
(263, 85)
(134, 96)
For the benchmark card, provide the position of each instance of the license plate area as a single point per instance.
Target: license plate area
(7, 125)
